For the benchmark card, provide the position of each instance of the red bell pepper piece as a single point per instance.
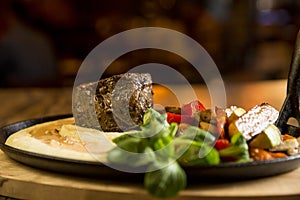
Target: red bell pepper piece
(222, 144)
(178, 118)
(192, 107)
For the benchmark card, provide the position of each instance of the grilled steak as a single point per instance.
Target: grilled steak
(118, 102)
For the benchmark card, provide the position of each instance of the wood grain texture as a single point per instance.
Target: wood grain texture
(23, 182)
(27, 103)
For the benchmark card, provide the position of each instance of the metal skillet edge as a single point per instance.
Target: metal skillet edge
(250, 170)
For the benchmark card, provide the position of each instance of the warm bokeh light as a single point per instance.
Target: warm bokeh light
(242, 37)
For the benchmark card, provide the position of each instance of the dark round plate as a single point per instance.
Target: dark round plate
(88, 168)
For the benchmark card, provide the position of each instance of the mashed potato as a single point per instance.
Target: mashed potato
(62, 138)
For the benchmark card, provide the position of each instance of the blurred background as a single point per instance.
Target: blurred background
(43, 42)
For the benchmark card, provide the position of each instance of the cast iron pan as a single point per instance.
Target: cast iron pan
(87, 168)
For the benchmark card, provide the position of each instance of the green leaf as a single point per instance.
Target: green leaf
(122, 157)
(173, 129)
(165, 182)
(197, 153)
(131, 144)
(156, 142)
(198, 134)
(162, 142)
(154, 123)
(127, 135)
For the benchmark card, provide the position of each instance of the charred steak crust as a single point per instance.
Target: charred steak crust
(83, 105)
(119, 101)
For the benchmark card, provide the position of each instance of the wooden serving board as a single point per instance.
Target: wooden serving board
(23, 182)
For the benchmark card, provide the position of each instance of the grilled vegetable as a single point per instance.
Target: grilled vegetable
(290, 146)
(222, 144)
(269, 138)
(221, 119)
(238, 149)
(209, 127)
(205, 115)
(234, 113)
(192, 108)
(170, 140)
(173, 109)
(260, 154)
(178, 118)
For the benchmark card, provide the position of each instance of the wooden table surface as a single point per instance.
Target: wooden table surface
(24, 182)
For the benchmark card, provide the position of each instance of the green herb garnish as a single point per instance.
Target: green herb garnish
(163, 154)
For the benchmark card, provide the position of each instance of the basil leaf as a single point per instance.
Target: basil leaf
(131, 144)
(121, 138)
(154, 123)
(197, 153)
(131, 159)
(197, 134)
(165, 182)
